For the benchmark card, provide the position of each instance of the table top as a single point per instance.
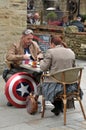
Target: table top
(29, 67)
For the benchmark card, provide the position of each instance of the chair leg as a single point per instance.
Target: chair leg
(43, 106)
(82, 108)
(65, 107)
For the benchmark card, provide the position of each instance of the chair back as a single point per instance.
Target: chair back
(68, 76)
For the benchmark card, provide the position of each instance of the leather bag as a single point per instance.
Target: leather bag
(32, 104)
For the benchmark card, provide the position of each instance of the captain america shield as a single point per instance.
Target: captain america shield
(18, 88)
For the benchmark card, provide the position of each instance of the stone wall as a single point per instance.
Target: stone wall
(77, 42)
(12, 23)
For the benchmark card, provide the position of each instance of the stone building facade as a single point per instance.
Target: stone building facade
(13, 20)
(12, 23)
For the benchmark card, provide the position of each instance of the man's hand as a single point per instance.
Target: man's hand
(26, 56)
(39, 57)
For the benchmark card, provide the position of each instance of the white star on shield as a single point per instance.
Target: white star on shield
(23, 89)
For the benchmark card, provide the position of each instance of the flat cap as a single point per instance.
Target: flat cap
(27, 31)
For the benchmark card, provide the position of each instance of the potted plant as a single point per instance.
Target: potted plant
(51, 16)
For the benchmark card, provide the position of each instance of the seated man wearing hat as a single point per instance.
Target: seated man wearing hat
(78, 23)
(25, 49)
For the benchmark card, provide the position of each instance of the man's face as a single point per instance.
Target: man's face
(27, 40)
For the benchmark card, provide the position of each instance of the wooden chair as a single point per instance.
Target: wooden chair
(66, 76)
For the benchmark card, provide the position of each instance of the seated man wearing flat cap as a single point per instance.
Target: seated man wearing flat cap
(25, 49)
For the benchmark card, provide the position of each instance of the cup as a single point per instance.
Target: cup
(34, 63)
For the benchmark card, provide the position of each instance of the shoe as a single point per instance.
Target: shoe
(55, 111)
(9, 104)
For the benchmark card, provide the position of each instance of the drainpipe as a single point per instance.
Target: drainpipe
(78, 7)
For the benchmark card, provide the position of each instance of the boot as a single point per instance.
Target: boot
(61, 105)
(9, 104)
(56, 110)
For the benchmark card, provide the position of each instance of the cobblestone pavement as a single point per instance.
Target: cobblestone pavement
(12, 118)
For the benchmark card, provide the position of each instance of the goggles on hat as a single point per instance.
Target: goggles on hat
(28, 31)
